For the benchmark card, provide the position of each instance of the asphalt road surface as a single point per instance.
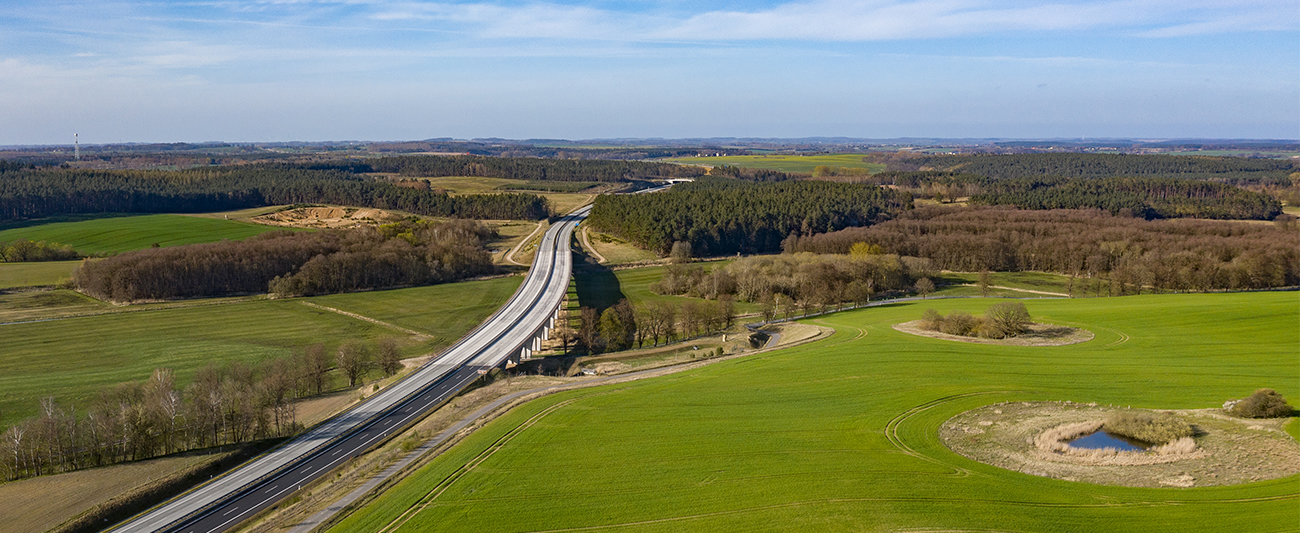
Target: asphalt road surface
(240, 494)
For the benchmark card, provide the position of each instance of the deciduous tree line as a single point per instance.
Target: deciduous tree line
(798, 283)
(291, 264)
(624, 326)
(229, 404)
(1130, 253)
(22, 250)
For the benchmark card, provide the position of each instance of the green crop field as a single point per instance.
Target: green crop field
(36, 274)
(841, 434)
(71, 359)
(111, 234)
(784, 163)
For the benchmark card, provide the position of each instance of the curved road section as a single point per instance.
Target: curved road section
(225, 502)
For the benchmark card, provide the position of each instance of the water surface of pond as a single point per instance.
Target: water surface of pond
(1102, 439)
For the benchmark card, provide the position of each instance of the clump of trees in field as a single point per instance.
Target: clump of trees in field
(1000, 321)
(24, 250)
(230, 404)
(35, 193)
(1264, 403)
(721, 217)
(1116, 255)
(296, 263)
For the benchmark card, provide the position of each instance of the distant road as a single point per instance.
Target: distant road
(240, 494)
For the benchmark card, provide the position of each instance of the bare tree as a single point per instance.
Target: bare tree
(924, 286)
(985, 282)
(390, 359)
(352, 358)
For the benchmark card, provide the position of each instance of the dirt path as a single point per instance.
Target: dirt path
(418, 336)
(1031, 291)
(586, 242)
(510, 257)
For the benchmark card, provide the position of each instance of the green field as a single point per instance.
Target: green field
(841, 434)
(71, 359)
(604, 288)
(112, 234)
(36, 274)
(785, 163)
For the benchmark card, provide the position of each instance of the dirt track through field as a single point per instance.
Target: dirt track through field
(418, 336)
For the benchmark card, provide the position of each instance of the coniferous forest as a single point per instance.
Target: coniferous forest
(719, 216)
(36, 193)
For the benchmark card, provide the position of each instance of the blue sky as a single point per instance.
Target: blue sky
(281, 70)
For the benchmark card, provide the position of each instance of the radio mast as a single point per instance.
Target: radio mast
(76, 147)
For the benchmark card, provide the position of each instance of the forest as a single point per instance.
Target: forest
(1231, 170)
(293, 263)
(719, 216)
(1146, 197)
(526, 168)
(36, 193)
(1132, 254)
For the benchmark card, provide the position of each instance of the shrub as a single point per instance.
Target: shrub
(960, 323)
(931, 320)
(1007, 319)
(1148, 427)
(1264, 403)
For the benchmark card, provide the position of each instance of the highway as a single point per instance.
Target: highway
(240, 494)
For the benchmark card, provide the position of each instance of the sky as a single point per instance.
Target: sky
(333, 70)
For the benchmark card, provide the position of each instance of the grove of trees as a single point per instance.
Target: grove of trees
(291, 264)
(23, 250)
(1132, 254)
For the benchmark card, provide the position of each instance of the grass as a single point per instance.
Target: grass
(634, 284)
(114, 234)
(841, 435)
(43, 305)
(36, 274)
(784, 163)
(1034, 281)
(72, 359)
(616, 251)
(1293, 428)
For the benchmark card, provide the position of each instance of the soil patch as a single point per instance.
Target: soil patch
(1038, 335)
(1026, 437)
(327, 217)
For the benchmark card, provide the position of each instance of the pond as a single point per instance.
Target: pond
(1101, 439)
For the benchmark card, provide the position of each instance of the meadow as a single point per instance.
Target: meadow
(786, 163)
(841, 434)
(603, 288)
(36, 274)
(98, 234)
(73, 358)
